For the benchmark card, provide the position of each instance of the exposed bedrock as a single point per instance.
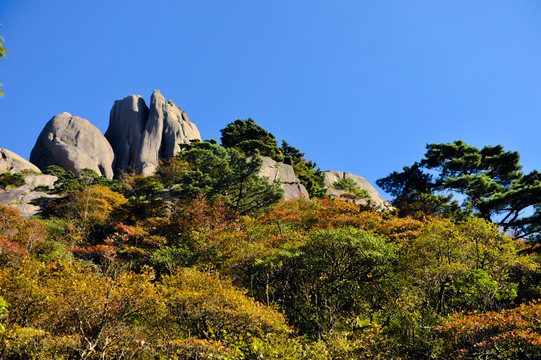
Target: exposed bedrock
(11, 162)
(332, 176)
(29, 198)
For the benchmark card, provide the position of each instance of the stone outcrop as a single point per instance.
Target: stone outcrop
(33, 181)
(142, 136)
(29, 199)
(73, 143)
(11, 162)
(377, 201)
(285, 175)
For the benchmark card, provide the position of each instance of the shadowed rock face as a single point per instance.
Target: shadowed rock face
(126, 125)
(73, 143)
(11, 162)
(142, 136)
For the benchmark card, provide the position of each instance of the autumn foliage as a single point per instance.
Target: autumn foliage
(140, 271)
(510, 334)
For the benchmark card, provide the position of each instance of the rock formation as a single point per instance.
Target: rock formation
(137, 138)
(73, 143)
(286, 177)
(28, 199)
(11, 162)
(377, 201)
(141, 137)
(126, 125)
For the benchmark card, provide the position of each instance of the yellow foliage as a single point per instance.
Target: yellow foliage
(203, 304)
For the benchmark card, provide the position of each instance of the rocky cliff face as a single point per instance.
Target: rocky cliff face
(137, 138)
(377, 201)
(142, 136)
(73, 143)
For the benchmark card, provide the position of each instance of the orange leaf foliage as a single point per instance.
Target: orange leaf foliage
(18, 237)
(511, 334)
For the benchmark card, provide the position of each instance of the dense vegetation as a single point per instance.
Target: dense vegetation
(203, 261)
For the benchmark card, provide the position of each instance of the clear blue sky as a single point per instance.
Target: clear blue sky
(358, 85)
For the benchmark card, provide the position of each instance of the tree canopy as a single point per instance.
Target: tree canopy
(247, 137)
(217, 171)
(108, 276)
(204, 260)
(489, 180)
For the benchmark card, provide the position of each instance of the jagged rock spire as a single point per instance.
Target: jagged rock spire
(142, 136)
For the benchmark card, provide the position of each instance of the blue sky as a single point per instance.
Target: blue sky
(359, 86)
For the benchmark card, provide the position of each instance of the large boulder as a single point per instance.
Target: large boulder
(376, 200)
(284, 174)
(142, 136)
(30, 198)
(73, 143)
(11, 162)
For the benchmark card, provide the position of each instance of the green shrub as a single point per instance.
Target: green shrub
(248, 137)
(350, 187)
(9, 180)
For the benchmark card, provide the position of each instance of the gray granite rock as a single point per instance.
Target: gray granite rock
(377, 201)
(27, 210)
(167, 126)
(8, 196)
(275, 170)
(35, 204)
(284, 174)
(33, 181)
(73, 143)
(141, 137)
(294, 191)
(26, 199)
(11, 162)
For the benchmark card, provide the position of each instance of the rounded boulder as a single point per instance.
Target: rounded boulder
(73, 143)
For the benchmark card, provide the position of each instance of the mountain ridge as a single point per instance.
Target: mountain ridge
(137, 139)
